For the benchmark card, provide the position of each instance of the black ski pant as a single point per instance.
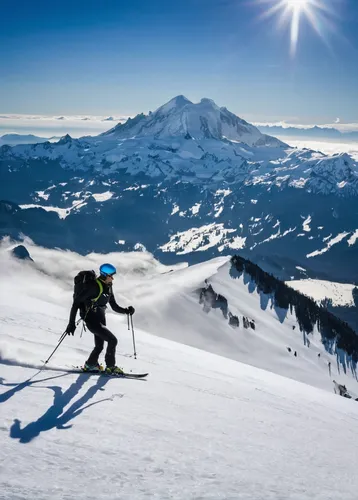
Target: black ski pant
(96, 323)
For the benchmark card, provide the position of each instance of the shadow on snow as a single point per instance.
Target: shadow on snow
(55, 417)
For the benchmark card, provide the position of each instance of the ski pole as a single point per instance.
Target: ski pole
(134, 349)
(62, 338)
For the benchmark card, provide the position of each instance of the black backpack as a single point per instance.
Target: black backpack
(82, 280)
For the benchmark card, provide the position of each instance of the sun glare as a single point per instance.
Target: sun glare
(291, 13)
(297, 4)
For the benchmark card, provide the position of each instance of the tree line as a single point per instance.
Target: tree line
(308, 313)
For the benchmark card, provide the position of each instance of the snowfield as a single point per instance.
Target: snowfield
(201, 426)
(340, 293)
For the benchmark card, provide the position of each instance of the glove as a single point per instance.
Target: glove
(70, 330)
(130, 310)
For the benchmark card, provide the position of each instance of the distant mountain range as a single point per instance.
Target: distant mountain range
(324, 133)
(310, 132)
(187, 182)
(15, 139)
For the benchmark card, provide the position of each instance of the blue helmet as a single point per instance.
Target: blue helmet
(107, 270)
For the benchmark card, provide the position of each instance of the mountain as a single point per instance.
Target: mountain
(181, 118)
(201, 426)
(15, 139)
(189, 181)
(309, 132)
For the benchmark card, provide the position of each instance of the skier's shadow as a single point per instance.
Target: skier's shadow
(54, 416)
(22, 385)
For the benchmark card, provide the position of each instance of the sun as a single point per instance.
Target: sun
(291, 12)
(297, 4)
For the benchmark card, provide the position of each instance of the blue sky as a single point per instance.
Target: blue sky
(126, 56)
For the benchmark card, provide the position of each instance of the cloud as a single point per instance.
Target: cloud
(326, 147)
(49, 126)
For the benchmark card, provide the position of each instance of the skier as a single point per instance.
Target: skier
(92, 302)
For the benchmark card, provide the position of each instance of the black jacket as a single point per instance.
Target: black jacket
(84, 300)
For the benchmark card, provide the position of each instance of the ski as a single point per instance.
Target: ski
(79, 369)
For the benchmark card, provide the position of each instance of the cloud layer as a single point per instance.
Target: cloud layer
(81, 125)
(49, 126)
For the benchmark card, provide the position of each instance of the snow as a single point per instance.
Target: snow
(194, 239)
(339, 293)
(76, 205)
(140, 247)
(222, 192)
(236, 243)
(218, 210)
(161, 139)
(135, 188)
(175, 209)
(353, 238)
(331, 242)
(272, 237)
(41, 194)
(219, 206)
(62, 212)
(201, 427)
(195, 208)
(299, 183)
(107, 195)
(204, 120)
(275, 235)
(306, 224)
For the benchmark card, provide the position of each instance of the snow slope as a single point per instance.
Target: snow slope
(168, 304)
(340, 293)
(72, 436)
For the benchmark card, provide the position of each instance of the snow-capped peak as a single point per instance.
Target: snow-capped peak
(174, 104)
(204, 120)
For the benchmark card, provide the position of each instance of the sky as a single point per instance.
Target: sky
(119, 57)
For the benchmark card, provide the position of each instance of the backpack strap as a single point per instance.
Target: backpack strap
(99, 283)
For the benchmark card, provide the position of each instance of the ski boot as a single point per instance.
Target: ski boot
(114, 370)
(93, 368)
